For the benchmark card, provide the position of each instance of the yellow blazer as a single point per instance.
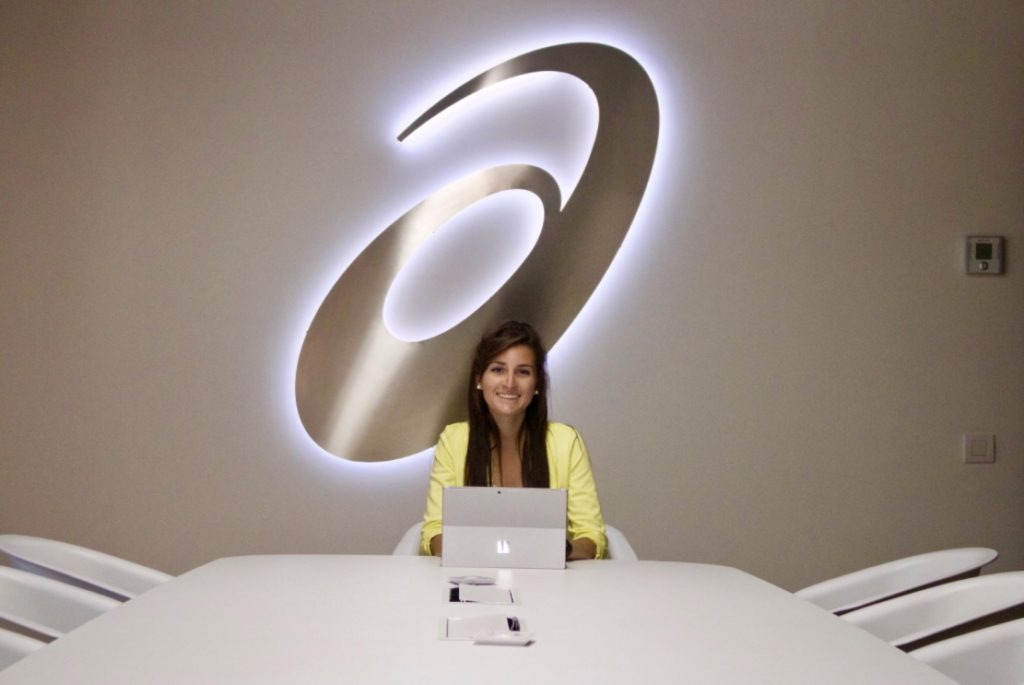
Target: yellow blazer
(568, 466)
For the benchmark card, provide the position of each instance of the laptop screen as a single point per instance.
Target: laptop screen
(503, 527)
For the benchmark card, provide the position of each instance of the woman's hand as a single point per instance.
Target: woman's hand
(582, 548)
(435, 545)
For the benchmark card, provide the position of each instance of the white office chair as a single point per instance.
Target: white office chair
(409, 545)
(990, 656)
(619, 548)
(47, 606)
(911, 618)
(870, 585)
(14, 647)
(80, 566)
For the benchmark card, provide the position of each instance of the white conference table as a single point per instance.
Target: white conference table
(375, 619)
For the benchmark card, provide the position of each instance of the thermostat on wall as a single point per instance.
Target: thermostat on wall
(984, 254)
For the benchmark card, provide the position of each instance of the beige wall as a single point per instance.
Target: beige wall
(775, 375)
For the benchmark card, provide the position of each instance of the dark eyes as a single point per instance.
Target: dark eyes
(520, 371)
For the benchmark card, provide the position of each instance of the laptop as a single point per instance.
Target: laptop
(503, 527)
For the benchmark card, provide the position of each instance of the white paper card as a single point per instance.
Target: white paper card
(485, 594)
(477, 627)
(472, 580)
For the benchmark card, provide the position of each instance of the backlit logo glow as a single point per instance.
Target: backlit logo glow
(364, 393)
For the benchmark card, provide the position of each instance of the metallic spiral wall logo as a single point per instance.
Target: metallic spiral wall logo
(363, 394)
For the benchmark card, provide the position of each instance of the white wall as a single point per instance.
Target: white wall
(775, 374)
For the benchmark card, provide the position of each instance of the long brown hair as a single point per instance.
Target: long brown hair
(483, 431)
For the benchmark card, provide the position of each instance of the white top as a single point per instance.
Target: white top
(81, 566)
(374, 619)
(875, 583)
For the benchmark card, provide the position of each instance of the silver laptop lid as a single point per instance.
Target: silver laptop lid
(503, 527)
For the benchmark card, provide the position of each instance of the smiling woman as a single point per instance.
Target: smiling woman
(509, 441)
(507, 387)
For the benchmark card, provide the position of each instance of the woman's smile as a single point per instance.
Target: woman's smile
(509, 381)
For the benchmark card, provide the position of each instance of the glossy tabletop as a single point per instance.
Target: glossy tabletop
(375, 619)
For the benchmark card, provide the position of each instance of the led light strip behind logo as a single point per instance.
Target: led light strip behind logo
(365, 395)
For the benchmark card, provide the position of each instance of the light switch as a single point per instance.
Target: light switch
(979, 448)
(984, 255)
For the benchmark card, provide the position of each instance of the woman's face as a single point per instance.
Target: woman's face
(509, 382)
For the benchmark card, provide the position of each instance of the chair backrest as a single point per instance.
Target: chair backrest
(876, 583)
(14, 646)
(409, 545)
(619, 548)
(986, 657)
(81, 566)
(910, 618)
(47, 606)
